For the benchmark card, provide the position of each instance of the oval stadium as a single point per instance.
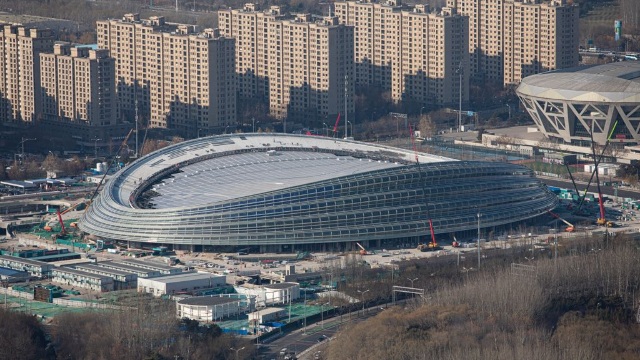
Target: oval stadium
(277, 192)
(571, 105)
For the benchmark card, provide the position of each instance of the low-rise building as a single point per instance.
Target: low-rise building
(267, 315)
(140, 272)
(121, 279)
(271, 294)
(167, 285)
(162, 269)
(33, 267)
(11, 275)
(212, 308)
(82, 279)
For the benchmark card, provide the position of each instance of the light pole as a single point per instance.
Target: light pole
(225, 129)
(322, 314)
(412, 280)
(509, 107)
(253, 125)
(460, 96)
(305, 313)
(326, 131)
(422, 108)
(200, 130)
(237, 351)
(479, 240)
(95, 147)
(22, 145)
(362, 299)
(349, 122)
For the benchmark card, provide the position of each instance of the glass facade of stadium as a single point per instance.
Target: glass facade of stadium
(387, 205)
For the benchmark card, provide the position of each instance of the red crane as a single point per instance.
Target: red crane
(433, 245)
(63, 231)
(335, 127)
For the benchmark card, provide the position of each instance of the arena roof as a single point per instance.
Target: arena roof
(275, 189)
(617, 82)
(217, 179)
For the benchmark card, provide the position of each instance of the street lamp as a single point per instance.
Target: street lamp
(225, 129)
(326, 131)
(95, 147)
(322, 314)
(253, 125)
(22, 145)
(412, 280)
(349, 122)
(362, 299)
(422, 108)
(200, 130)
(237, 351)
(509, 107)
(305, 313)
(479, 240)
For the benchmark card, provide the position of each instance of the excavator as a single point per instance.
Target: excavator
(433, 245)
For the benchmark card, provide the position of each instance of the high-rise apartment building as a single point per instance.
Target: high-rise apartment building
(20, 50)
(512, 39)
(411, 51)
(78, 86)
(180, 78)
(303, 65)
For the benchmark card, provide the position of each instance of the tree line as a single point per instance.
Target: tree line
(147, 331)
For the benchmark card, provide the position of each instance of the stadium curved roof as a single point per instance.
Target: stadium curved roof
(273, 189)
(617, 82)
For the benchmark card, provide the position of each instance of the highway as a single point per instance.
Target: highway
(305, 338)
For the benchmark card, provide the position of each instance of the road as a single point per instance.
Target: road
(300, 340)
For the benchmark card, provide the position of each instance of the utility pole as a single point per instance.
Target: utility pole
(460, 97)
(478, 239)
(346, 112)
(22, 145)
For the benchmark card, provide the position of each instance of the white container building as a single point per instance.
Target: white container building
(212, 308)
(186, 282)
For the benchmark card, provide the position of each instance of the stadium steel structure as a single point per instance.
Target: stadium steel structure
(276, 191)
(570, 104)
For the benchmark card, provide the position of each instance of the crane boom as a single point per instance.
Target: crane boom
(335, 127)
(63, 230)
(570, 225)
(602, 219)
(124, 142)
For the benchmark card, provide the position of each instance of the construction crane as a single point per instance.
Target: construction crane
(433, 245)
(596, 161)
(95, 192)
(570, 227)
(602, 220)
(363, 251)
(63, 231)
(335, 127)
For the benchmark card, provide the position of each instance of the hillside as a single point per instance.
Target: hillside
(581, 307)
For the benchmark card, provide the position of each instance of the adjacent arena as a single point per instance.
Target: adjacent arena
(292, 192)
(572, 104)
